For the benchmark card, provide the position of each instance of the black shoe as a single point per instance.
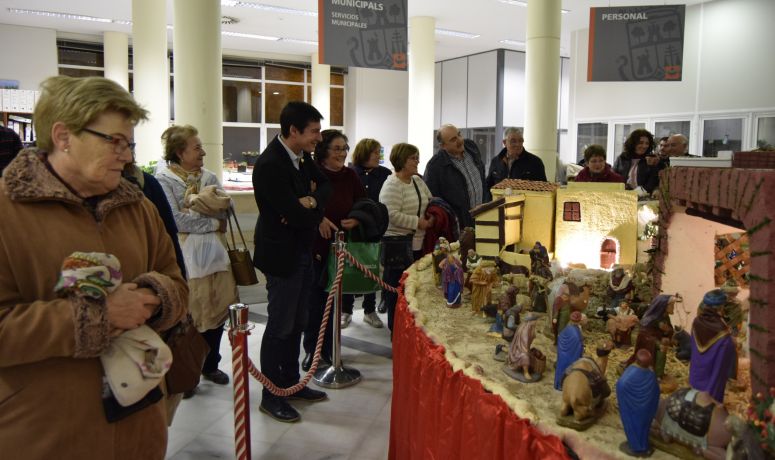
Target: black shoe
(189, 394)
(306, 363)
(217, 376)
(382, 308)
(279, 409)
(309, 395)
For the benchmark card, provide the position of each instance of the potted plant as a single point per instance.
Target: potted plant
(250, 157)
(242, 166)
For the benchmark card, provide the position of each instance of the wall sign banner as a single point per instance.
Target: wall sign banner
(639, 43)
(362, 33)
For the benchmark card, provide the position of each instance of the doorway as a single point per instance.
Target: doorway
(608, 253)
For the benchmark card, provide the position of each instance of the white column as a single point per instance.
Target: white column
(321, 89)
(151, 76)
(542, 81)
(422, 56)
(115, 46)
(244, 103)
(198, 71)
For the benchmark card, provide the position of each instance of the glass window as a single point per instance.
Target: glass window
(241, 101)
(765, 133)
(277, 95)
(240, 145)
(271, 133)
(70, 72)
(81, 56)
(668, 128)
(240, 69)
(621, 133)
(588, 134)
(571, 211)
(284, 74)
(719, 135)
(337, 106)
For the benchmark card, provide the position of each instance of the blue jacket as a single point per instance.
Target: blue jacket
(445, 181)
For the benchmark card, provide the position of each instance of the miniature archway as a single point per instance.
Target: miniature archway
(731, 194)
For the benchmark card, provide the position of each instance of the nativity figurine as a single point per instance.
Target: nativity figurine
(452, 280)
(621, 326)
(484, 278)
(637, 393)
(585, 390)
(713, 351)
(524, 363)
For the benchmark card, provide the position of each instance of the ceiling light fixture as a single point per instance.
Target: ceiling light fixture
(54, 14)
(512, 42)
(524, 4)
(299, 41)
(257, 37)
(270, 8)
(455, 33)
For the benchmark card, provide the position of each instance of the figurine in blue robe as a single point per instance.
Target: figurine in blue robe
(713, 350)
(637, 393)
(570, 347)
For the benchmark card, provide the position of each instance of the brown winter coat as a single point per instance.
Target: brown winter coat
(50, 373)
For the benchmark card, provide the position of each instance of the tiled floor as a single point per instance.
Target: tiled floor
(352, 424)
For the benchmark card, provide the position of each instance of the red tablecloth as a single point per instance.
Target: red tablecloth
(441, 414)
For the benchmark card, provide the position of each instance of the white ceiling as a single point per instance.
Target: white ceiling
(491, 19)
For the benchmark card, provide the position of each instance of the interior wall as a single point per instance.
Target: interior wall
(690, 262)
(28, 54)
(376, 107)
(727, 68)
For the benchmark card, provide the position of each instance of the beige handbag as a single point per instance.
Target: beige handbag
(241, 263)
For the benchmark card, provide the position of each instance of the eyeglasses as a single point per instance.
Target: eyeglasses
(119, 144)
(346, 148)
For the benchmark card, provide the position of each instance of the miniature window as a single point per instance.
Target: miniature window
(571, 212)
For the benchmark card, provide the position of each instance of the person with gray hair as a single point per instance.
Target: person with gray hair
(514, 162)
(677, 146)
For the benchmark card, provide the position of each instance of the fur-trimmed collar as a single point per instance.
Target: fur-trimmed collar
(28, 179)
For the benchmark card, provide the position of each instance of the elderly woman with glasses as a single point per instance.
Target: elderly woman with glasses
(85, 259)
(330, 156)
(210, 281)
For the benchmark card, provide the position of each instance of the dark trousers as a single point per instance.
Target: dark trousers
(287, 310)
(392, 276)
(213, 339)
(369, 303)
(316, 305)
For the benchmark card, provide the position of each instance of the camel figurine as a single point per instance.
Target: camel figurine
(585, 390)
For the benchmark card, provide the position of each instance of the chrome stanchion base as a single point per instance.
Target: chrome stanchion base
(336, 377)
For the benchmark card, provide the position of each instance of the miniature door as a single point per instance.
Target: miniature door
(608, 253)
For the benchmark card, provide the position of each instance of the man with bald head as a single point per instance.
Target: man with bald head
(456, 174)
(677, 146)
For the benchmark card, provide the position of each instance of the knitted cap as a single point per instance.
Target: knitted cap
(714, 298)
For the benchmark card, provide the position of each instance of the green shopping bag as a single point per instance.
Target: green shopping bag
(354, 281)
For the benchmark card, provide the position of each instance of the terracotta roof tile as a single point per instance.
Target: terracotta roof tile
(528, 185)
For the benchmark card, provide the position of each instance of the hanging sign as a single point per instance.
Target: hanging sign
(361, 33)
(638, 43)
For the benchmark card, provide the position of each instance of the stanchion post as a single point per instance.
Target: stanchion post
(336, 375)
(238, 319)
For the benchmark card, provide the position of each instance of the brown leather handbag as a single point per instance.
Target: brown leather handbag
(241, 263)
(189, 351)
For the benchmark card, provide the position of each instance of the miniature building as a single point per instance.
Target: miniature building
(539, 210)
(499, 224)
(596, 225)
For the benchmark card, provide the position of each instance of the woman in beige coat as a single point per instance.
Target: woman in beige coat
(200, 208)
(68, 196)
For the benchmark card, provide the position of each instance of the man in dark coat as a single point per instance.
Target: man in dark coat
(456, 174)
(514, 162)
(291, 193)
(10, 145)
